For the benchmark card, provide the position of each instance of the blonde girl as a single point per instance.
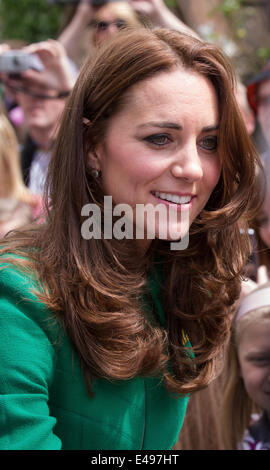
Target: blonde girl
(247, 378)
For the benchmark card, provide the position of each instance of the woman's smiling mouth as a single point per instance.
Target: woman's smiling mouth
(170, 199)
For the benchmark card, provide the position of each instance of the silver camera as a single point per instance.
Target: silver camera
(17, 61)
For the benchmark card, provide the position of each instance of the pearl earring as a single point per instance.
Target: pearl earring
(95, 173)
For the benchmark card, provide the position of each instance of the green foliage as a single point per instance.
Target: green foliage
(29, 20)
(230, 6)
(171, 3)
(264, 53)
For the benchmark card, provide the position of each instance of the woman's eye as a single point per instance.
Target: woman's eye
(209, 143)
(158, 139)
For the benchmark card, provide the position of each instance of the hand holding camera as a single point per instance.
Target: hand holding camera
(58, 72)
(17, 61)
(44, 64)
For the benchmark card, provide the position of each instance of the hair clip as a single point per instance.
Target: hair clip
(86, 121)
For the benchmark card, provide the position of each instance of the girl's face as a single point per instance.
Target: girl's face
(162, 146)
(254, 359)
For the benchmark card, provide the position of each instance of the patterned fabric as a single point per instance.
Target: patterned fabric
(257, 436)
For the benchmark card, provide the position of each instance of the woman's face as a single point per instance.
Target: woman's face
(162, 147)
(254, 359)
(109, 22)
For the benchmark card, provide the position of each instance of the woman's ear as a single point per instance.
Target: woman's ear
(93, 159)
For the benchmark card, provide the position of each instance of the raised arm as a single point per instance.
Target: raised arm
(161, 15)
(72, 34)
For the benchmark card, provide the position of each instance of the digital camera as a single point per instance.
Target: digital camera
(17, 61)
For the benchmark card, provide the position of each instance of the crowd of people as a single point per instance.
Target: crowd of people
(113, 342)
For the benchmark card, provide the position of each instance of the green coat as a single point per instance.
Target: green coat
(44, 403)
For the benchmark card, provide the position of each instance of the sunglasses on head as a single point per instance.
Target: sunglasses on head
(103, 25)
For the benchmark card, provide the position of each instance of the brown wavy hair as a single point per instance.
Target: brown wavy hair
(96, 287)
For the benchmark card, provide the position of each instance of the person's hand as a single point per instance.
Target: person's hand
(4, 48)
(86, 10)
(71, 36)
(4, 77)
(158, 12)
(57, 73)
(149, 8)
(86, 6)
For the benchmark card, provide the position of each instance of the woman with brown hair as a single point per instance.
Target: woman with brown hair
(106, 334)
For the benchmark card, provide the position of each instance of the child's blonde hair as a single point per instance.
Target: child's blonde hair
(237, 405)
(11, 181)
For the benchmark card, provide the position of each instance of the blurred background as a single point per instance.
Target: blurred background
(240, 27)
(32, 101)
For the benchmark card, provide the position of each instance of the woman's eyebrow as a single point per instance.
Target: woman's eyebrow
(169, 125)
(174, 125)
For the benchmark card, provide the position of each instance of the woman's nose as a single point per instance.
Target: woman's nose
(187, 164)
